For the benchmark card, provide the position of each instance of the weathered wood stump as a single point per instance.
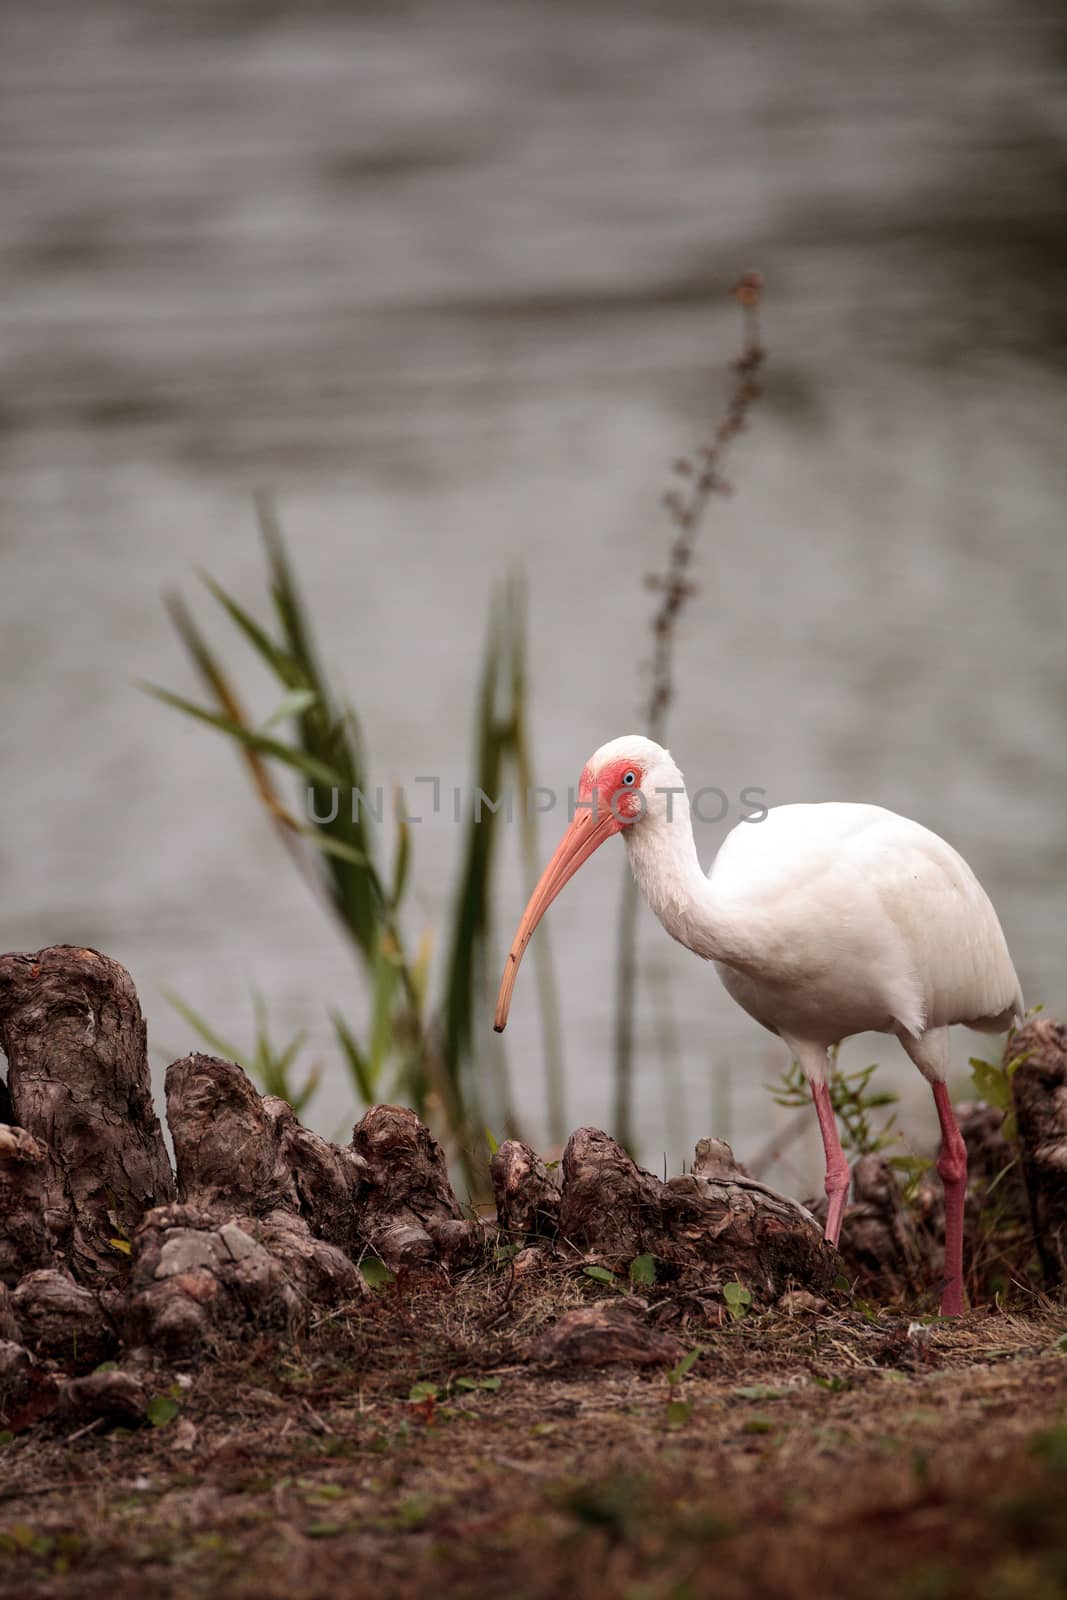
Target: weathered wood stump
(610, 1205)
(102, 1252)
(712, 1226)
(197, 1281)
(325, 1180)
(409, 1215)
(9, 1328)
(717, 1222)
(72, 1030)
(224, 1144)
(527, 1199)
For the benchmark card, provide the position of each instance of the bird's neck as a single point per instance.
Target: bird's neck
(663, 856)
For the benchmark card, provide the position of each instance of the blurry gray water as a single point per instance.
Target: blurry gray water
(452, 279)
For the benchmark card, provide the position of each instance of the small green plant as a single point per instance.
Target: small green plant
(161, 1410)
(376, 1273)
(853, 1100)
(642, 1272)
(1050, 1448)
(992, 1083)
(738, 1300)
(678, 1411)
(683, 1365)
(759, 1423)
(602, 1275)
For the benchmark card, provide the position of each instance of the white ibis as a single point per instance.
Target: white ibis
(822, 921)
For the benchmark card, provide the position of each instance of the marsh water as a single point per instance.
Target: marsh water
(452, 279)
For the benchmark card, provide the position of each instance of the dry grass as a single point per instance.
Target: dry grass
(799, 1456)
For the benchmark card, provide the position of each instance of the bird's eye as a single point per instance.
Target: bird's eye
(629, 778)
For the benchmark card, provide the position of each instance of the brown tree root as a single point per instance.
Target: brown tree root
(720, 1224)
(710, 1227)
(409, 1215)
(197, 1282)
(24, 1239)
(9, 1328)
(271, 1221)
(324, 1180)
(609, 1331)
(62, 1319)
(527, 1199)
(1039, 1090)
(74, 1037)
(116, 1397)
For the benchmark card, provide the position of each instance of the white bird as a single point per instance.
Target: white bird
(822, 921)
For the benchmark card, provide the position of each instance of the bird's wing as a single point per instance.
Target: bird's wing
(803, 882)
(947, 924)
(892, 913)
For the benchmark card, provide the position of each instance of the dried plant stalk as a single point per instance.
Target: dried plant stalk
(701, 477)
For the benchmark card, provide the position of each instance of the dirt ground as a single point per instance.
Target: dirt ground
(411, 1447)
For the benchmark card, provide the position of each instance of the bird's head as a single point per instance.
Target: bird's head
(625, 785)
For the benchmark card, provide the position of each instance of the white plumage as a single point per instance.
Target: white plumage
(822, 920)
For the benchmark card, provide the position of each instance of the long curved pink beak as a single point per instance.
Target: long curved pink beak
(586, 833)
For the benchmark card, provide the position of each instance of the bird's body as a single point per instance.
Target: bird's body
(833, 919)
(822, 920)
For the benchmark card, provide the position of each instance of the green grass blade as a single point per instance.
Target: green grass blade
(280, 662)
(401, 855)
(250, 738)
(292, 704)
(199, 1025)
(329, 736)
(358, 1065)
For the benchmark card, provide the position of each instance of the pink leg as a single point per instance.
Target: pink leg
(952, 1167)
(837, 1172)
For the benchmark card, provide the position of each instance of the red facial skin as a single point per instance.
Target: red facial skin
(625, 801)
(607, 804)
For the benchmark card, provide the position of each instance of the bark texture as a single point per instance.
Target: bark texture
(24, 1239)
(1039, 1090)
(16, 1377)
(74, 1037)
(527, 1199)
(64, 1320)
(610, 1205)
(323, 1181)
(609, 1331)
(409, 1216)
(709, 1227)
(224, 1141)
(717, 1221)
(196, 1282)
(9, 1328)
